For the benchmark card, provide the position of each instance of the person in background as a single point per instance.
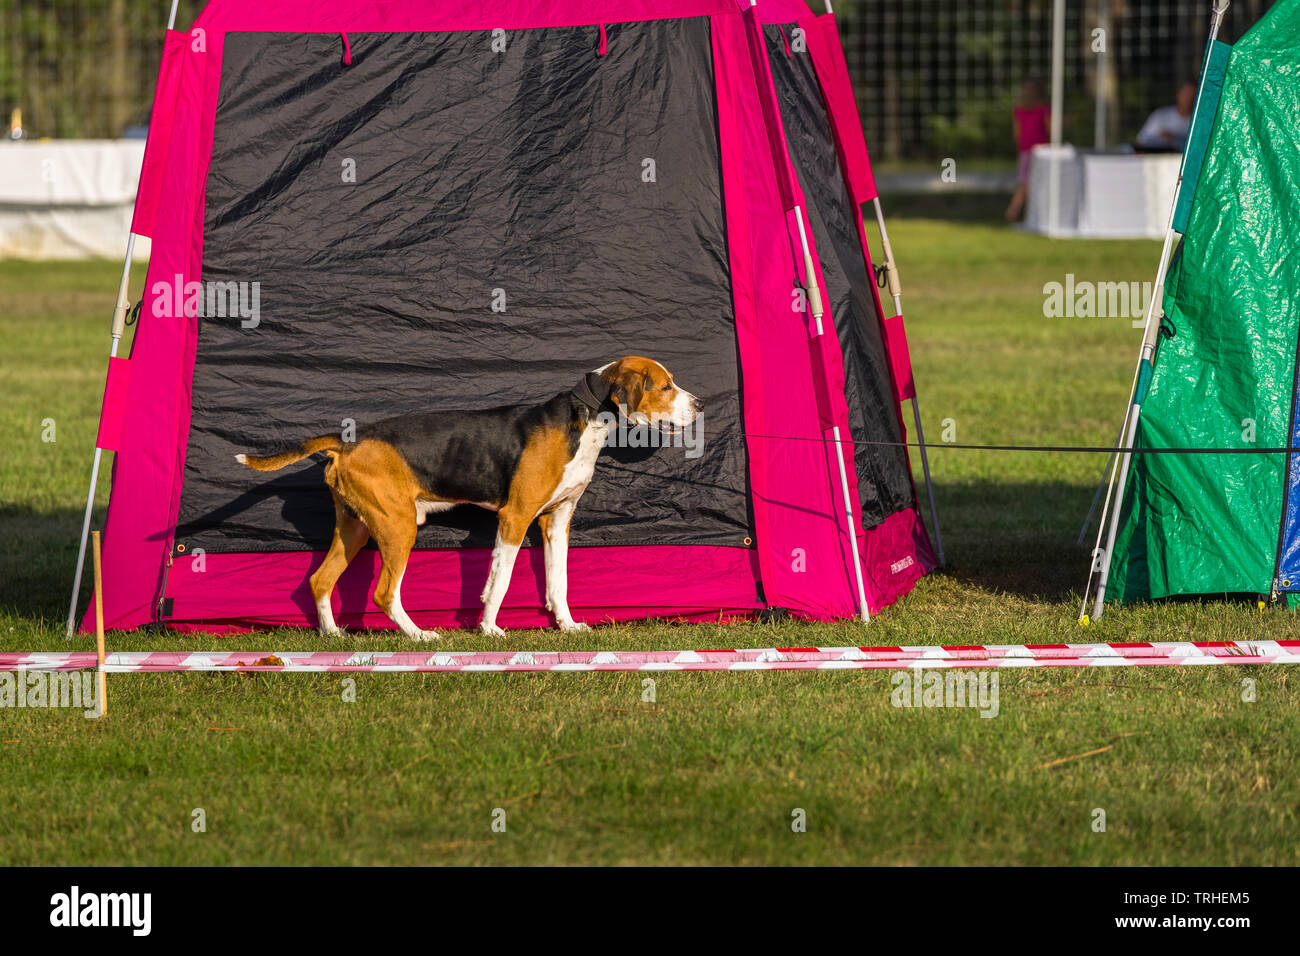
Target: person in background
(1166, 129)
(1032, 117)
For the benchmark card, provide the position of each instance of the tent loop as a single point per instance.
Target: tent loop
(347, 50)
(882, 275)
(785, 39)
(604, 44)
(1167, 327)
(134, 315)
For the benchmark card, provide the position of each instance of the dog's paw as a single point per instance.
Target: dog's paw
(426, 636)
(571, 626)
(330, 631)
(491, 630)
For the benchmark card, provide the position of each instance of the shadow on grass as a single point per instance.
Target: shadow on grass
(1017, 538)
(1012, 538)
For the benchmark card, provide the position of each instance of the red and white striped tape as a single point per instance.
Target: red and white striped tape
(1169, 653)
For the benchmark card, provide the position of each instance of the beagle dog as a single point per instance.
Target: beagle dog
(525, 462)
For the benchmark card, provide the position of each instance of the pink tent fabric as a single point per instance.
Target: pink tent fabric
(793, 379)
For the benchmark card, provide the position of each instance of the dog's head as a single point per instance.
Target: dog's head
(647, 394)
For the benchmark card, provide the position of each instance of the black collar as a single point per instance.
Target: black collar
(592, 391)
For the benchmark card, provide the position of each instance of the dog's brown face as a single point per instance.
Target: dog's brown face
(647, 393)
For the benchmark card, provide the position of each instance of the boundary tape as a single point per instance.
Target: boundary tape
(1169, 653)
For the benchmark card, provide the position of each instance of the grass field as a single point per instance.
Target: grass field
(287, 772)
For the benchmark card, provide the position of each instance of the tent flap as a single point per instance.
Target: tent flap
(161, 121)
(113, 411)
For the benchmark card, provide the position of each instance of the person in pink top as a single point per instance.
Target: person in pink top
(1033, 117)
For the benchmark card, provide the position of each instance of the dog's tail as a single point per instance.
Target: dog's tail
(326, 443)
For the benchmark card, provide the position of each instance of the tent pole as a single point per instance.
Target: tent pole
(1150, 336)
(1107, 476)
(119, 326)
(851, 525)
(1101, 489)
(896, 292)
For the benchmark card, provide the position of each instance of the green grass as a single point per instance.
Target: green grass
(287, 772)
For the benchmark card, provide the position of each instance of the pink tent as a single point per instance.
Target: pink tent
(361, 209)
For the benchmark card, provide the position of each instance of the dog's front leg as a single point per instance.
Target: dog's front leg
(510, 535)
(555, 535)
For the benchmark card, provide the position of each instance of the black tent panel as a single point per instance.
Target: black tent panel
(441, 224)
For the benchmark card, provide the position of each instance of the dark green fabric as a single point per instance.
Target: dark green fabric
(1216, 65)
(1205, 524)
(1143, 383)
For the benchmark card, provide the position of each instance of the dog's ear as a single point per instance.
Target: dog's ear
(628, 389)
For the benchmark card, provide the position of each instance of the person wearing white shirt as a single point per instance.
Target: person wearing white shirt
(1167, 128)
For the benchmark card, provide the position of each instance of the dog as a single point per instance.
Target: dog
(525, 462)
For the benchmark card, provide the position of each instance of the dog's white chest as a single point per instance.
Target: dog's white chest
(577, 473)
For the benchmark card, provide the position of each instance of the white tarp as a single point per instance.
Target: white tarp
(68, 199)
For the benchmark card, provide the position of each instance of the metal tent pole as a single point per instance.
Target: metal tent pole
(896, 292)
(1107, 476)
(119, 326)
(1150, 335)
(851, 525)
(1101, 490)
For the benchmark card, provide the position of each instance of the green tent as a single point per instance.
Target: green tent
(1219, 369)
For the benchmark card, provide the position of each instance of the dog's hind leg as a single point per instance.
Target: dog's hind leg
(350, 536)
(395, 542)
(555, 536)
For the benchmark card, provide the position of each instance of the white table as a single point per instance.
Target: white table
(68, 199)
(1101, 195)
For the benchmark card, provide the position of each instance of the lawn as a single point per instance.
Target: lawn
(417, 768)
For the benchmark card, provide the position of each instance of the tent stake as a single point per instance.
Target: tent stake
(1150, 335)
(119, 326)
(101, 678)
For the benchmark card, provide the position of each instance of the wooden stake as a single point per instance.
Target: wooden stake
(99, 625)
